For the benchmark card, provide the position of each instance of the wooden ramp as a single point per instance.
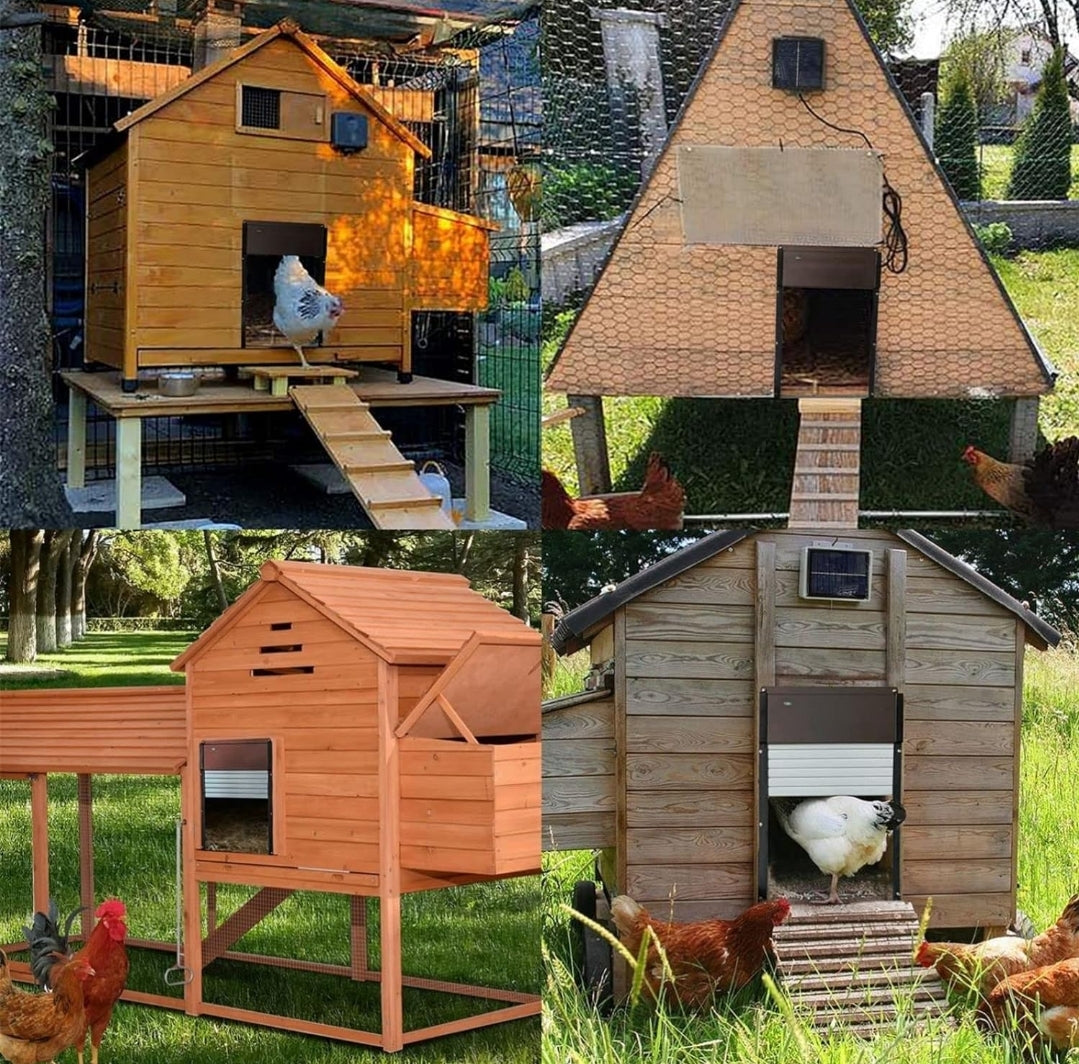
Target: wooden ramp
(824, 491)
(852, 965)
(384, 481)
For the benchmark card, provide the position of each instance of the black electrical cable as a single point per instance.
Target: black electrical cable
(895, 240)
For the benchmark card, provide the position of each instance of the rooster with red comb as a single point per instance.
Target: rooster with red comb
(104, 951)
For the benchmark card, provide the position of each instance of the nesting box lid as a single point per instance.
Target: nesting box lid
(404, 616)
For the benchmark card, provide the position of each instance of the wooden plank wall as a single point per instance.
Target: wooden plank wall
(449, 260)
(199, 180)
(578, 776)
(690, 685)
(323, 726)
(106, 244)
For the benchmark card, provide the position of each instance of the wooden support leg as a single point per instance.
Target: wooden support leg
(477, 462)
(590, 445)
(192, 936)
(76, 438)
(39, 834)
(86, 853)
(358, 929)
(389, 872)
(128, 472)
(390, 936)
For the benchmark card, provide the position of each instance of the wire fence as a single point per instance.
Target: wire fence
(472, 98)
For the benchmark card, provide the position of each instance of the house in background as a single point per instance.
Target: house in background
(1026, 51)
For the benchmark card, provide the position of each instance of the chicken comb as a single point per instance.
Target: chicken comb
(113, 907)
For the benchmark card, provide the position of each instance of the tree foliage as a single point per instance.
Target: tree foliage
(956, 136)
(1042, 162)
(889, 24)
(977, 58)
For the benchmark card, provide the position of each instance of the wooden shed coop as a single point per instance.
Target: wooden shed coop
(751, 666)
(273, 150)
(342, 730)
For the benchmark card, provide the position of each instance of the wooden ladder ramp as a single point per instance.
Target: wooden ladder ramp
(851, 965)
(824, 490)
(382, 479)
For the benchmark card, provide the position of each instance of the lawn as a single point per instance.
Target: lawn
(736, 455)
(485, 934)
(996, 163)
(760, 1032)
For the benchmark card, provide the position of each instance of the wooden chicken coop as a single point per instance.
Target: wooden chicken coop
(752, 666)
(344, 730)
(272, 150)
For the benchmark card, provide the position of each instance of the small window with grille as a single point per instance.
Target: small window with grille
(260, 108)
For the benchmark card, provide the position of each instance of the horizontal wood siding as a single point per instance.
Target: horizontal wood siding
(140, 730)
(578, 776)
(449, 260)
(106, 258)
(322, 724)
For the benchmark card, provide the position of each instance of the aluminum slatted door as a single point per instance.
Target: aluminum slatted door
(823, 741)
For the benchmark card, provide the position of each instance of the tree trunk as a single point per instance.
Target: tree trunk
(51, 553)
(30, 490)
(63, 591)
(215, 570)
(520, 576)
(22, 593)
(87, 553)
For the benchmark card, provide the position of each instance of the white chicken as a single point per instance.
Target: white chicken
(303, 308)
(841, 834)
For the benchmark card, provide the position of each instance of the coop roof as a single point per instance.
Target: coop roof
(288, 29)
(579, 626)
(703, 314)
(404, 616)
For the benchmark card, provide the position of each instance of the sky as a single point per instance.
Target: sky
(931, 31)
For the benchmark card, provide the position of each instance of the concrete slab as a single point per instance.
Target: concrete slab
(99, 496)
(327, 478)
(494, 522)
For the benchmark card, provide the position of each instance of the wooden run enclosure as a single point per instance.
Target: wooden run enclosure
(749, 666)
(272, 150)
(345, 730)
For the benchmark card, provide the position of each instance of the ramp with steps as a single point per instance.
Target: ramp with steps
(382, 479)
(824, 491)
(852, 965)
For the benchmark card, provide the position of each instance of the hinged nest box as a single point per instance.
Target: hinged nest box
(271, 151)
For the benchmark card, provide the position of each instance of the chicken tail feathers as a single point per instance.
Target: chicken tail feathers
(625, 913)
(783, 808)
(47, 943)
(1070, 916)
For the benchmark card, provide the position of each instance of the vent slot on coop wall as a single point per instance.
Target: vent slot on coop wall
(773, 196)
(264, 245)
(236, 777)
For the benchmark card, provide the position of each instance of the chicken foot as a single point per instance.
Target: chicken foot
(833, 894)
(306, 365)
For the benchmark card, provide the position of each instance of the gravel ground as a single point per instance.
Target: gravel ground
(270, 495)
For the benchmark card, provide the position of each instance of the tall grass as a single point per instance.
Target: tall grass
(759, 1031)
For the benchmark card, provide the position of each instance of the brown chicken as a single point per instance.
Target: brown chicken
(1044, 490)
(104, 951)
(1042, 1005)
(706, 957)
(35, 1028)
(658, 504)
(984, 964)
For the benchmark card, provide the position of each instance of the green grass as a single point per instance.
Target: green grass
(996, 163)
(760, 1030)
(485, 934)
(737, 455)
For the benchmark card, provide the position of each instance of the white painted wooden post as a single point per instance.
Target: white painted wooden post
(589, 433)
(929, 110)
(1024, 429)
(128, 472)
(477, 462)
(76, 438)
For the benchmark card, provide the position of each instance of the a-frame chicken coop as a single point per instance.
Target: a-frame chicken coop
(342, 730)
(796, 238)
(273, 150)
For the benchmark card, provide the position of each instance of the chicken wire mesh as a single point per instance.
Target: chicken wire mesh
(467, 97)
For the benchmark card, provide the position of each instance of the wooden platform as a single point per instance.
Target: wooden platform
(276, 379)
(824, 490)
(382, 479)
(852, 965)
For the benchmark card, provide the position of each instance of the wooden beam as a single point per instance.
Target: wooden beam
(389, 893)
(287, 1023)
(590, 445)
(895, 654)
(764, 659)
(39, 835)
(477, 463)
(241, 921)
(192, 902)
(128, 472)
(470, 1023)
(620, 974)
(76, 437)
(86, 852)
(1020, 656)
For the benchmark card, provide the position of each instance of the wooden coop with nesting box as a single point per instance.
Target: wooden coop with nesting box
(342, 730)
(273, 150)
(750, 667)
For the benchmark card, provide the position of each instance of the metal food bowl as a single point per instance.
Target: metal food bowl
(178, 384)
